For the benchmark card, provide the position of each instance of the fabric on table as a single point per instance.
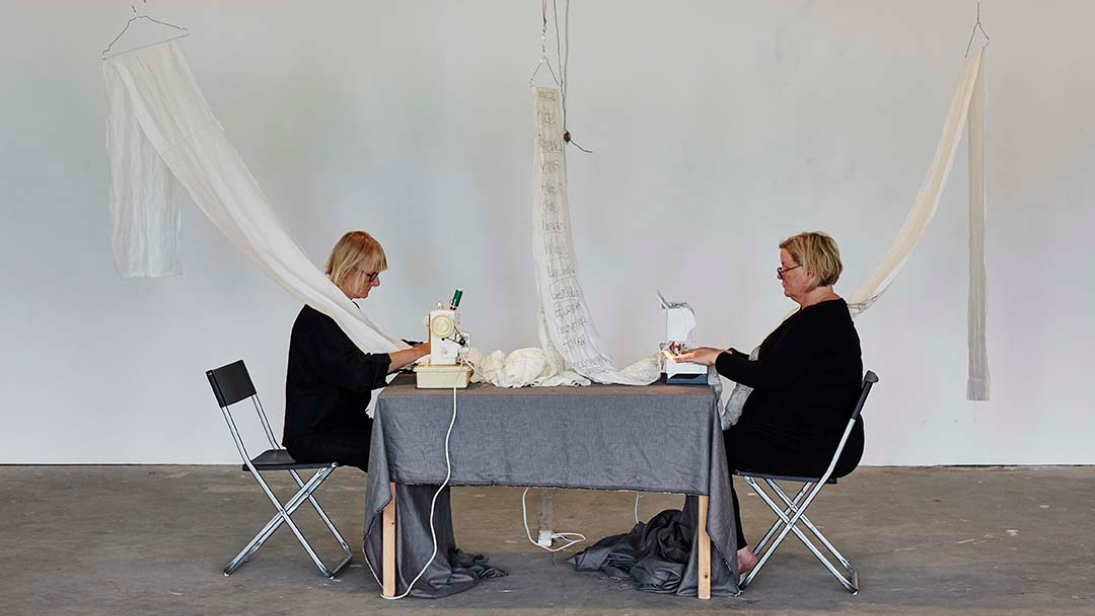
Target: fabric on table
(660, 438)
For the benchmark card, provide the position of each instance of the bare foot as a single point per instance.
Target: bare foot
(746, 561)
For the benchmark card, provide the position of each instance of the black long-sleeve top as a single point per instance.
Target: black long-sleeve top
(329, 381)
(807, 378)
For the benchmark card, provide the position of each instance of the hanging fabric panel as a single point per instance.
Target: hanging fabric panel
(161, 127)
(968, 103)
(567, 332)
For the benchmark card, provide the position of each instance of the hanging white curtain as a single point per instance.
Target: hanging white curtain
(968, 104)
(567, 332)
(161, 135)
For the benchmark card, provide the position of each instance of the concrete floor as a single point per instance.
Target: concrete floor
(153, 540)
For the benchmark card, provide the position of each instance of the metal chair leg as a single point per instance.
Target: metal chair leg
(326, 520)
(775, 525)
(788, 524)
(817, 533)
(284, 516)
(275, 522)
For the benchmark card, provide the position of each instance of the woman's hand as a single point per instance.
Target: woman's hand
(704, 356)
(408, 356)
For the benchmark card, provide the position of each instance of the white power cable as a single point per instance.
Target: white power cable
(571, 538)
(433, 503)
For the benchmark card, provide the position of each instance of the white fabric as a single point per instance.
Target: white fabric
(144, 204)
(977, 384)
(567, 333)
(160, 126)
(968, 101)
(520, 368)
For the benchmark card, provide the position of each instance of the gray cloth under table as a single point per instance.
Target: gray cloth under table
(658, 438)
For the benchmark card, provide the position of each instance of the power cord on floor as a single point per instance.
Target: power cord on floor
(571, 538)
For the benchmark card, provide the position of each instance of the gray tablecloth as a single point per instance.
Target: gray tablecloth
(659, 438)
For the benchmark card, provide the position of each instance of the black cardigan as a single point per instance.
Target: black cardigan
(329, 381)
(807, 378)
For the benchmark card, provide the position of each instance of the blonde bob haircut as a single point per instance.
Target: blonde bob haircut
(818, 253)
(356, 254)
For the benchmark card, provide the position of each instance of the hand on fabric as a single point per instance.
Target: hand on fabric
(704, 356)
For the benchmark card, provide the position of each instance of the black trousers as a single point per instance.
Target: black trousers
(347, 445)
(753, 448)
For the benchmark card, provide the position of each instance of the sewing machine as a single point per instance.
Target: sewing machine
(680, 321)
(442, 368)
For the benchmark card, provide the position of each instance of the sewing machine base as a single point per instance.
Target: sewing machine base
(442, 377)
(686, 379)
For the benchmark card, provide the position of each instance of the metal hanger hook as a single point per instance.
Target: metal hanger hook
(977, 26)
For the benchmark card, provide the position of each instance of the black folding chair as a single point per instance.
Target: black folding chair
(793, 510)
(232, 384)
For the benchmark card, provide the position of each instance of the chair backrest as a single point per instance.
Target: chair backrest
(232, 384)
(869, 380)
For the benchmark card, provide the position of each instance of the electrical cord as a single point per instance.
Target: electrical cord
(571, 538)
(433, 504)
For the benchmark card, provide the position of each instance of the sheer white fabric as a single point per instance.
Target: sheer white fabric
(144, 204)
(567, 332)
(162, 134)
(968, 103)
(977, 384)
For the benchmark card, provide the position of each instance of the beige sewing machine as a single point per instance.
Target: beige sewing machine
(442, 368)
(680, 321)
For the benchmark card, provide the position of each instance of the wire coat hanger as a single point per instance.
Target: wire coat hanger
(563, 61)
(977, 26)
(543, 49)
(136, 16)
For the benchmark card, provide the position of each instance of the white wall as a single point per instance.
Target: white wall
(719, 128)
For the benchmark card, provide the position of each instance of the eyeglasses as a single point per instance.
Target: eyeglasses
(370, 276)
(780, 271)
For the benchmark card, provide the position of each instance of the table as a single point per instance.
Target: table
(658, 438)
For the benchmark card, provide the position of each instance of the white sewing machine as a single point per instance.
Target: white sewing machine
(442, 368)
(680, 321)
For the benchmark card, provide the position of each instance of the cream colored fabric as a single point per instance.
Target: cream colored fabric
(521, 368)
(977, 385)
(162, 131)
(968, 102)
(567, 332)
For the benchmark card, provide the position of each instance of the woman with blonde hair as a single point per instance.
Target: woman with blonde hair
(805, 380)
(329, 380)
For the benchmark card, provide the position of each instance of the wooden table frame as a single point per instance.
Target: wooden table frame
(389, 535)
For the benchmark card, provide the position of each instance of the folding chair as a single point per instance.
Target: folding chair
(232, 384)
(795, 508)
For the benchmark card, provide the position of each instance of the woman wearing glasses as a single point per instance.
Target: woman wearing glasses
(330, 380)
(805, 380)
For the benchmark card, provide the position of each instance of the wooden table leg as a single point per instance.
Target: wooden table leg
(389, 547)
(543, 538)
(703, 543)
